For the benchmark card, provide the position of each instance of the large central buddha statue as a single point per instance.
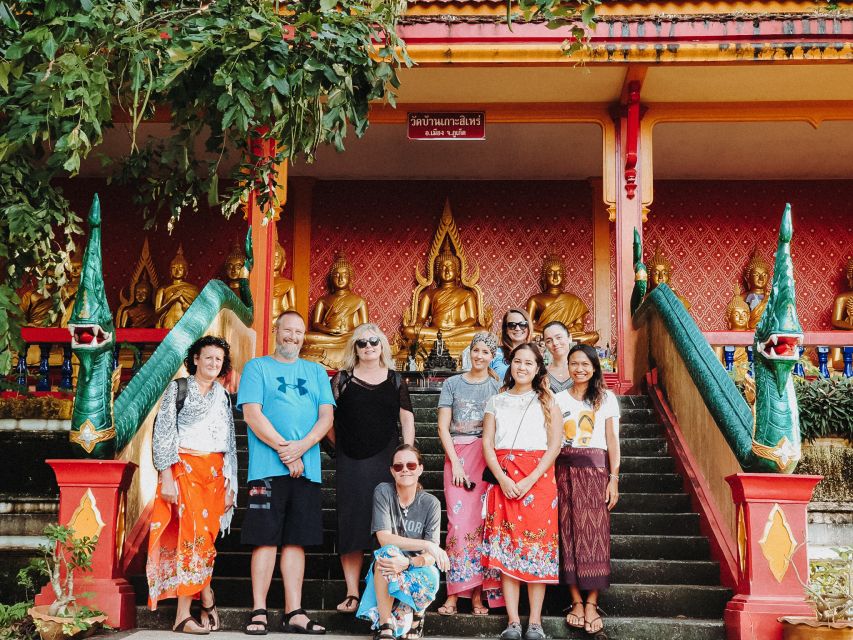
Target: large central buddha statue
(555, 304)
(172, 301)
(660, 270)
(756, 276)
(445, 299)
(335, 316)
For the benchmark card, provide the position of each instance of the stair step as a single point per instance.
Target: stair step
(466, 625)
(686, 524)
(35, 477)
(692, 601)
(25, 524)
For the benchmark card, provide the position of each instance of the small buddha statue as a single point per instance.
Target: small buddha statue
(36, 307)
(756, 276)
(283, 291)
(68, 291)
(449, 307)
(137, 311)
(555, 304)
(660, 269)
(335, 315)
(737, 319)
(842, 309)
(233, 269)
(171, 301)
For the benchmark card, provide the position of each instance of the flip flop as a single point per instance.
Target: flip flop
(447, 610)
(349, 604)
(479, 611)
(581, 619)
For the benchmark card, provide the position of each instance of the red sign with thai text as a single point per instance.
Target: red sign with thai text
(458, 125)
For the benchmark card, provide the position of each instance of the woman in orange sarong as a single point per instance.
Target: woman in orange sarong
(521, 440)
(194, 450)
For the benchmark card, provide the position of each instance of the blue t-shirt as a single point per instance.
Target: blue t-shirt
(499, 366)
(290, 395)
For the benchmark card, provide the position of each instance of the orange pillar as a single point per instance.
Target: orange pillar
(629, 215)
(264, 239)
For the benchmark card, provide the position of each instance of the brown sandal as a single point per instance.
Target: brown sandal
(181, 627)
(349, 604)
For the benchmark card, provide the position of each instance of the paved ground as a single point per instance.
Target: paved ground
(221, 635)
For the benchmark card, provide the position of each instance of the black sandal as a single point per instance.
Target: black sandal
(416, 631)
(380, 633)
(311, 628)
(211, 612)
(257, 623)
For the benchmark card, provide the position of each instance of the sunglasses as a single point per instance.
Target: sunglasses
(398, 466)
(361, 344)
(517, 325)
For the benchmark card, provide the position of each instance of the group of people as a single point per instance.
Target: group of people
(531, 472)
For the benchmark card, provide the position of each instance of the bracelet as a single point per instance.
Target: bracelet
(614, 475)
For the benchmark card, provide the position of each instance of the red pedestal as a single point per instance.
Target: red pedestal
(92, 497)
(771, 537)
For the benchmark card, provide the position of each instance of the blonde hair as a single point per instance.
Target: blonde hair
(350, 359)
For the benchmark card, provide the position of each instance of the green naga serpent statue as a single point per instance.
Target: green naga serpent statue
(101, 424)
(776, 348)
(767, 440)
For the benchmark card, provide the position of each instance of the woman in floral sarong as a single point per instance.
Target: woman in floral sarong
(403, 579)
(460, 427)
(194, 450)
(521, 440)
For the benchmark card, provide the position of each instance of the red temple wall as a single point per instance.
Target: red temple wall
(385, 228)
(708, 229)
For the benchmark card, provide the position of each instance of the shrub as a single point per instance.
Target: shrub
(826, 407)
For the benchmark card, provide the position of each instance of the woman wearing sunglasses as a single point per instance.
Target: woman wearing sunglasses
(403, 579)
(521, 440)
(515, 330)
(460, 427)
(558, 341)
(371, 398)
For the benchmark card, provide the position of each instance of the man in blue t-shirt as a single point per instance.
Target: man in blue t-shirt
(288, 404)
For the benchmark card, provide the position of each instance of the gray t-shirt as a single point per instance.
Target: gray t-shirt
(467, 402)
(421, 520)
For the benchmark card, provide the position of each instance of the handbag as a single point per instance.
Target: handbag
(488, 476)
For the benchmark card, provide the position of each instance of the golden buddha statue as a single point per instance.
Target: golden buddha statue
(283, 291)
(335, 316)
(171, 301)
(233, 268)
(68, 291)
(737, 319)
(555, 304)
(842, 309)
(136, 309)
(660, 269)
(756, 276)
(37, 307)
(445, 299)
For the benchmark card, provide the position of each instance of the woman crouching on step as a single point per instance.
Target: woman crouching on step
(588, 484)
(403, 579)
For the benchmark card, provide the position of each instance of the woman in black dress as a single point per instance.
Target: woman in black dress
(371, 398)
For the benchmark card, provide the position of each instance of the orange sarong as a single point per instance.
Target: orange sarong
(180, 544)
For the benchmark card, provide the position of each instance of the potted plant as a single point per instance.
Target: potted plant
(61, 557)
(830, 591)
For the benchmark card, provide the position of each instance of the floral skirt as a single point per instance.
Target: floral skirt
(520, 539)
(413, 590)
(180, 543)
(465, 524)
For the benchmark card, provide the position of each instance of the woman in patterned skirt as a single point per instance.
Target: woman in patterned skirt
(195, 452)
(521, 440)
(460, 427)
(588, 485)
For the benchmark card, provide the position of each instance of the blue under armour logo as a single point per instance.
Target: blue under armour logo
(300, 385)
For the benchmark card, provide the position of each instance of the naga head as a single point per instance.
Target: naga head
(91, 323)
(779, 334)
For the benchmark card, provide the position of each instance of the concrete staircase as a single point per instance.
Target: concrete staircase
(664, 583)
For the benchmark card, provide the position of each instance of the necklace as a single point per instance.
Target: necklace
(405, 509)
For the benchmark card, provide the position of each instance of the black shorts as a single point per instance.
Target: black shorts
(282, 511)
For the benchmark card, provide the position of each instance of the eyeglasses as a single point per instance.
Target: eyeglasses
(398, 466)
(512, 326)
(361, 344)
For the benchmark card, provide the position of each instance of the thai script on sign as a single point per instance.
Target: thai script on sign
(469, 125)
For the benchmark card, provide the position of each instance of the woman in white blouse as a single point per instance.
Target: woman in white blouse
(195, 453)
